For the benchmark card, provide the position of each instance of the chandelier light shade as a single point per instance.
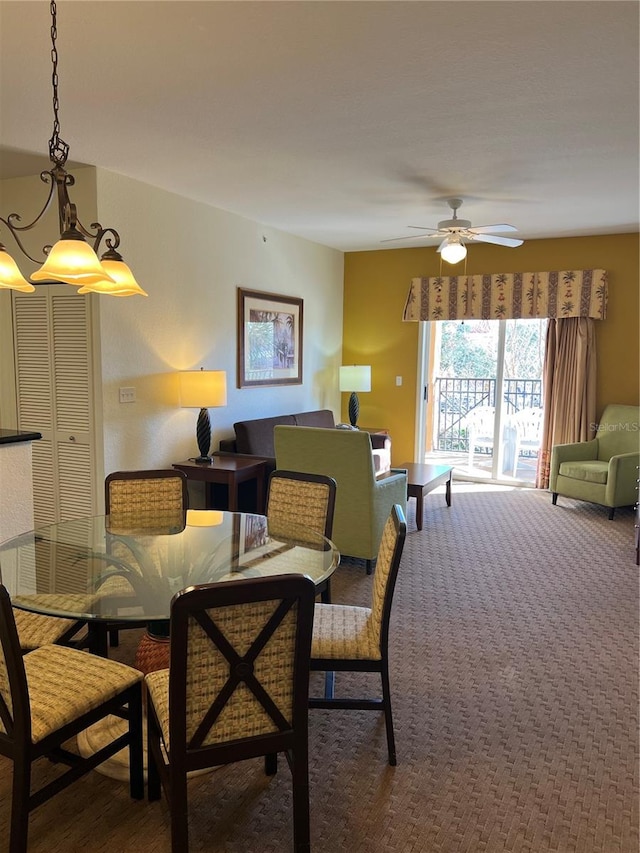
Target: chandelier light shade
(73, 259)
(355, 377)
(203, 389)
(10, 275)
(453, 251)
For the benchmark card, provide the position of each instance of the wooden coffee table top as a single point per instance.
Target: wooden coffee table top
(422, 475)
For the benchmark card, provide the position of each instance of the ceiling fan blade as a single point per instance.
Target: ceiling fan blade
(422, 228)
(487, 229)
(407, 237)
(499, 241)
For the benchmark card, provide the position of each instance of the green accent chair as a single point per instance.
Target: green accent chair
(603, 470)
(363, 502)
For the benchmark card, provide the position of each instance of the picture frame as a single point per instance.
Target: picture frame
(269, 339)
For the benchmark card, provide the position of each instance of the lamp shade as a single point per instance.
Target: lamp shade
(121, 281)
(355, 377)
(453, 251)
(10, 275)
(72, 261)
(203, 389)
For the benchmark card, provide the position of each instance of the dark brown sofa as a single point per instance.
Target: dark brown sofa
(254, 438)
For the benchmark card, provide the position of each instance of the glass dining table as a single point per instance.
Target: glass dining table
(124, 569)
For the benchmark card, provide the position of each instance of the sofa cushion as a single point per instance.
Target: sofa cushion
(320, 418)
(591, 471)
(256, 436)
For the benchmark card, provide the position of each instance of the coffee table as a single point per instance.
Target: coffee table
(422, 479)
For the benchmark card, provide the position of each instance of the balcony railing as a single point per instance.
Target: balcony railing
(455, 398)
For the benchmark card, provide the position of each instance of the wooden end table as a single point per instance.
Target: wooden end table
(228, 471)
(422, 479)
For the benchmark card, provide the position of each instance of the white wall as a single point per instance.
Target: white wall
(191, 258)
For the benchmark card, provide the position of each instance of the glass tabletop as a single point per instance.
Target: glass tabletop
(126, 569)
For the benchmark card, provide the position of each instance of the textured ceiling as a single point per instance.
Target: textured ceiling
(342, 122)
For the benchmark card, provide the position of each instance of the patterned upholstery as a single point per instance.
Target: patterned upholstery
(347, 638)
(296, 503)
(46, 698)
(237, 686)
(144, 502)
(207, 673)
(65, 683)
(36, 629)
(341, 631)
(154, 501)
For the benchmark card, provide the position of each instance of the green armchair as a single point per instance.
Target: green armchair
(603, 470)
(363, 503)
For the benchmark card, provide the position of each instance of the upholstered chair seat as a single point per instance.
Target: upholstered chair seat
(344, 631)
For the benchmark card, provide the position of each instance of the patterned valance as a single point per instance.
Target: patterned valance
(508, 296)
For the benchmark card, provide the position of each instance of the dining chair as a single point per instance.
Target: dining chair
(298, 501)
(356, 639)
(236, 688)
(48, 697)
(149, 499)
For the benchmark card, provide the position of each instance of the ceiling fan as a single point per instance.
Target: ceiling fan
(456, 232)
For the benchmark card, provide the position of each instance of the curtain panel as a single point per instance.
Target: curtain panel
(508, 296)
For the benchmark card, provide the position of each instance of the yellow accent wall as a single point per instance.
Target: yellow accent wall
(376, 284)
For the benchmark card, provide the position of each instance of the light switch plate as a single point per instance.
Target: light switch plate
(127, 395)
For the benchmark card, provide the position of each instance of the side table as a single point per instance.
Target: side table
(227, 471)
(421, 479)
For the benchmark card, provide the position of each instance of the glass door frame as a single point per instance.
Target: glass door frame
(426, 343)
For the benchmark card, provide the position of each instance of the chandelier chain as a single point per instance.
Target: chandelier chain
(58, 148)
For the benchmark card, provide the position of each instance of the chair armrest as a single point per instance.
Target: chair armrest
(575, 452)
(621, 479)
(380, 442)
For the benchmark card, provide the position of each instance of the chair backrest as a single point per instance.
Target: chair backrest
(528, 423)
(297, 502)
(239, 668)
(384, 578)
(618, 431)
(15, 716)
(480, 421)
(147, 499)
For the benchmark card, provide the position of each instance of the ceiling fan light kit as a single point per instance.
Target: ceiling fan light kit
(457, 232)
(452, 250)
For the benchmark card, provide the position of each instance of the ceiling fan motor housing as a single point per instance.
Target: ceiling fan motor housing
(454, 224)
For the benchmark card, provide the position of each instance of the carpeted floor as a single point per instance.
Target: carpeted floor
(515, 684)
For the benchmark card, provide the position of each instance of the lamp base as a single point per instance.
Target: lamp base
(201, 460)
(354, 409)
(203, 435)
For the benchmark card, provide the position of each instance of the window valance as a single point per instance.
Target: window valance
(508, 296)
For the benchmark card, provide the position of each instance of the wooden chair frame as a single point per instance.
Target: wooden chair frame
(332, 665)
(291, 738)
(324, 588)
(17, 745)
(98, 631)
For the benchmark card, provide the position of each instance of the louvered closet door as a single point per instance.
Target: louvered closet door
(52, 339)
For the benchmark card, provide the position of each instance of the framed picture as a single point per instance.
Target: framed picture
(269, 339)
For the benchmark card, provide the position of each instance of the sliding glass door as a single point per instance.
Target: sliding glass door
(483, 397)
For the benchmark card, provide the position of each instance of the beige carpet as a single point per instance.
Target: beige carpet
(515, 686)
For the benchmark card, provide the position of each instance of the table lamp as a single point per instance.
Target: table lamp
(203, 389)
(355, 377)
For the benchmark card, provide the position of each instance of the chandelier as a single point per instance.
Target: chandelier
(73, 259)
